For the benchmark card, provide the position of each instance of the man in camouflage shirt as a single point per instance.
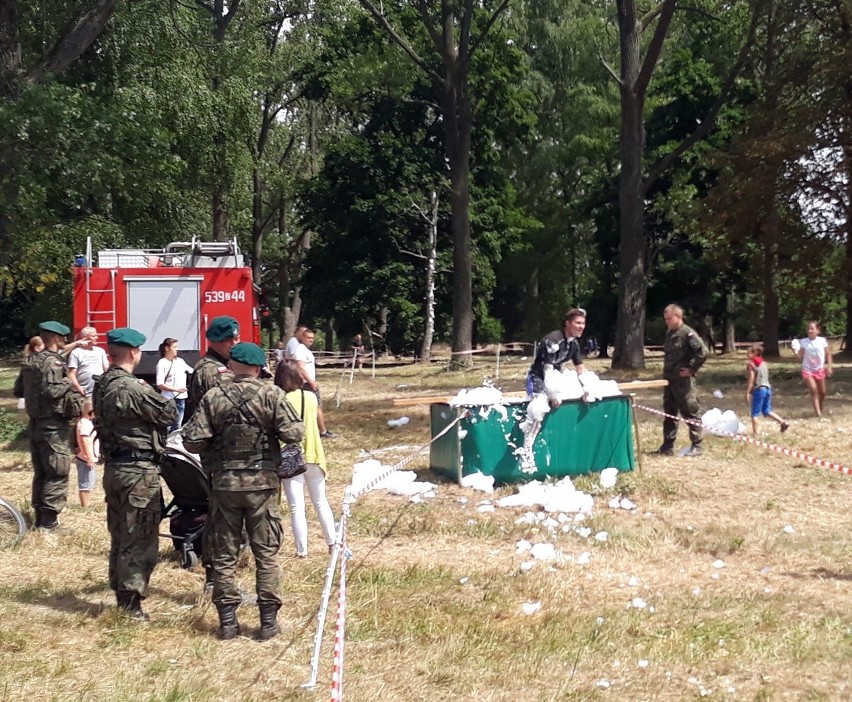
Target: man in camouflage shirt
(212, 370)
(684, 355)
(238, 429)
(131, 419)
(51, 403)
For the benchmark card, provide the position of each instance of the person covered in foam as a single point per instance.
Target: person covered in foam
(556, 349)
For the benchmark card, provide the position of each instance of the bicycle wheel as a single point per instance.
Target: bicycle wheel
(12, 525)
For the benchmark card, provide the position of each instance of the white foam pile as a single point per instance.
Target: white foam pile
(484, 395)
(400, 422)
(551, 497)
(608, 478)
(479, 481)
(568, 385)
(718, 422)
(399, 482)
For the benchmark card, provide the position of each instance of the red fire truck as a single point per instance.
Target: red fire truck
(170, 292)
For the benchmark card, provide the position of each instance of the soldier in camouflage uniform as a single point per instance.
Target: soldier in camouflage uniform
(684, 355)
(212, 370)
(238, 429)
(51, 403)
(131, 418)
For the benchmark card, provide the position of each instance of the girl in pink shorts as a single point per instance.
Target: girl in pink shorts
(816, 364)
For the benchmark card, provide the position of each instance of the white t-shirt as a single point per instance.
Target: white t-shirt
(292, 345)
(813, 358)
(304, 354)
(89, 363)
(173, 374)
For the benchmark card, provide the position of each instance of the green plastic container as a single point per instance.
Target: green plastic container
(575, 439)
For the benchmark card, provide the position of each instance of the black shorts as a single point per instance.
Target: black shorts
(315, 392)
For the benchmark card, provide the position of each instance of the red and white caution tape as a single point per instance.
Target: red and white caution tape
(337, 661)
(341, 549)
(792, 453)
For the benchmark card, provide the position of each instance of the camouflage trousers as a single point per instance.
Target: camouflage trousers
(258, 511)
(681, 397)
(52, 452)
(133, 518)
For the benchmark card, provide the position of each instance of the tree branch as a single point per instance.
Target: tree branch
(655, 47)
(400, 41)
(423, 8)
(488, 25)
(611, 70)
(204, 6)
(464, 34)
(706, 125)
(650, 16)
(78, 37)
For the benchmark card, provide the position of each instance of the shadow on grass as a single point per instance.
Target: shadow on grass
(821, 574)
(62, 602)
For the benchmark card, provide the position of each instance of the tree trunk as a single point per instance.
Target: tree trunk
(10, 46)
(256, 224)
(730, 329)
(382, 330)
(629, 350)
(847, 162)
(769, 327)
(847, 155)
(220, 216)
(431, 265)
(328, 330)
(457, 122)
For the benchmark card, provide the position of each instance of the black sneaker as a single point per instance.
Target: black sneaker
(328, 434)
(664, 451)
(784, 427)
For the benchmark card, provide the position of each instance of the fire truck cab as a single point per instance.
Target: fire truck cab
(170, 292)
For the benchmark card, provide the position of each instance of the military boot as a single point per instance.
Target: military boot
(268, 620)
(48, 519)
(229, 627)
(131, 603)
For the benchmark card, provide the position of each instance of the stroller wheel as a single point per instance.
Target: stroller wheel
(189, 559)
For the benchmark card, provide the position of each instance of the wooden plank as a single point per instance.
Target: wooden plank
(634, 386)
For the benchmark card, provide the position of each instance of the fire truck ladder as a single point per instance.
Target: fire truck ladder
(104, 316)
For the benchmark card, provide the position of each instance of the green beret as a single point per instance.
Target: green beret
(54, 328)
(125, 336)
(222, 329)
(248, 353)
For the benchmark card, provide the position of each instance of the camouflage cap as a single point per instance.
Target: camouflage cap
(222, 329)
(54, 328)
(125, 336)
(248, 353)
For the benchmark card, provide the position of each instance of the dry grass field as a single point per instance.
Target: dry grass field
(436, 590)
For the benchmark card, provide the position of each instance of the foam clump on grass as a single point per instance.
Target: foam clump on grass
(400, 482)
(552, 497)
(479, 481)
(718, 422)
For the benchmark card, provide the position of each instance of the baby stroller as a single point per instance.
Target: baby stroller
(187, 510)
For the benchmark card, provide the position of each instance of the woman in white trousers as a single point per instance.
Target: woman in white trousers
(305, 403)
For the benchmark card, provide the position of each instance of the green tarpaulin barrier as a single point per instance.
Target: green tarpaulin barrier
(575, 439)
